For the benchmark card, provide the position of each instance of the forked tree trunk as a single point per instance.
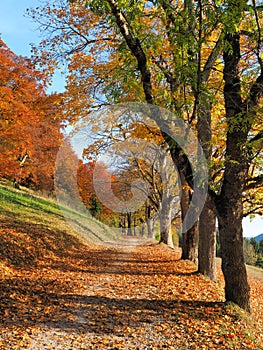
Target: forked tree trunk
(207, 243)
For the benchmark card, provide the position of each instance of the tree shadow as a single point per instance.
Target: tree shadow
(23, 244)
(121, 263)
(24, 304)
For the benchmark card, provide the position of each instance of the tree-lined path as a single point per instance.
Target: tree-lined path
(130, 294)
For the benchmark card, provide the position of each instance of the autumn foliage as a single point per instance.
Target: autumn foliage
(201, 60)
(85, 179)
(30, 122)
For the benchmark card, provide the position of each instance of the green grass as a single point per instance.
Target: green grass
(26, 206)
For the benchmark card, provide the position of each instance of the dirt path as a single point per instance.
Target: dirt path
(132, 294)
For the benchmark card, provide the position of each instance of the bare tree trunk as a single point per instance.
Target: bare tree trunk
(237, 288)
(207, 243)
(229, 203)
(129, 221)
(165, 223)
(149, 222)
(190, 237)
(134, 226)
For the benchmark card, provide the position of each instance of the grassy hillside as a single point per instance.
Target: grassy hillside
(33, 228)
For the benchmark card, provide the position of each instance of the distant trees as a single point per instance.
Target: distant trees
(85, 186)
(30, 123)
(253, 252)
(249, 252)
(255, 244)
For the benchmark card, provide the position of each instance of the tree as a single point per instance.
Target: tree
(255, 244)
(95, 207)
(249, 252)
(261, 247)
(259, 261)
(240, 116)
(118, 76)
(30, 123)
(142, 154)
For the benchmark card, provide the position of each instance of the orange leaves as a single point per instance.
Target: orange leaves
(30, 123)
(118, 296)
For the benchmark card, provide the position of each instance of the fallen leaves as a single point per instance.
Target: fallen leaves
(119, 297)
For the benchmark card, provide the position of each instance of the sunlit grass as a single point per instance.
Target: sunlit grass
(27, 206)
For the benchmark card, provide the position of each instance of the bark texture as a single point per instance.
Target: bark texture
(129, 223)
(207, 243)
(165, 223)
(190, 237)
(149, 222)
(230, 205)
(207, 219)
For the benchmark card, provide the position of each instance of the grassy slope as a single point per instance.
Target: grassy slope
(33, 228)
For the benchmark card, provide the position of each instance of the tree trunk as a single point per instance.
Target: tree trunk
(190, 244)
(190, 237)
(207, 243)
(149, 222)
(165, 223)
(237, 288)
(230, 215)
(229, 203)
(122, 225)
(142, 230)
(129, 222)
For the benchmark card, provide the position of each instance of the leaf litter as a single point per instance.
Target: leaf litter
(136, 294)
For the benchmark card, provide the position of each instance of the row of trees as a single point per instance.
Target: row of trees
(202, 60)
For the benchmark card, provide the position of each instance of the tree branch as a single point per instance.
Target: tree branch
(136, 49)
(254, 182)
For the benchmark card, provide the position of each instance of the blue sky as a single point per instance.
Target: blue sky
(18, 31)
